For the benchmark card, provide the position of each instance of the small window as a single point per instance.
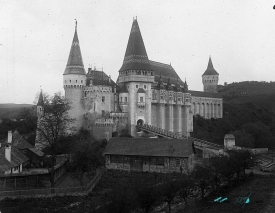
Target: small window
(160, 161)
(81, 81)
(70, 81)
(136, 86)
(128, 87)
(65, 81)
(125, 99)
(178, 99)
(76, 81)
(103, 112)
(120, 99)
(103, 99)
(141, 99)
(161, 97)
(145, 86)
(177, 162)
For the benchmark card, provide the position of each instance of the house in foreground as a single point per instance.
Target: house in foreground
(150, 154)
(12, 160)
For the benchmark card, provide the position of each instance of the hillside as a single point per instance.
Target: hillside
(248, 113)
(9, 110)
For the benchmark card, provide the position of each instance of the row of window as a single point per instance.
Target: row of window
(75, 81)
(209, 81)
(146, 160)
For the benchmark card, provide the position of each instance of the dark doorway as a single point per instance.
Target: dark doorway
(140, 122)
(136, 164)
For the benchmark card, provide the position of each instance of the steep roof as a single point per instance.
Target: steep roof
(135, 56)
(19, 142)
(17, 158)
(166, 71)
(150, 147)
(40, 100)
(123, 89)
(140, 90)
(75, 62)
(210, 69)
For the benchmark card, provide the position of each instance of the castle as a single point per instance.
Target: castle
(146, 92)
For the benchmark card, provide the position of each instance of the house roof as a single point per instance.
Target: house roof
(75, 62)
(150, 147)
(210, 69)
(204, 94)
(123, 89)
(17, 158)
(19, 142)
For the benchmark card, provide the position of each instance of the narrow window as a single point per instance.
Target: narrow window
(76, 81)
(125, 99)
(177, 161)
(144, 86)
(141, 99)
(81, 81)
(103, 112)
(136, 86)
(103, 99)
(70, 81)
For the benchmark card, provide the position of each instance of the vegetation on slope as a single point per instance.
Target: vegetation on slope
(248, 113)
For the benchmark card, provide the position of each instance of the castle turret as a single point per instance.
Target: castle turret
(210, 78)
(40, 141)
(136, 72)
(74, 80)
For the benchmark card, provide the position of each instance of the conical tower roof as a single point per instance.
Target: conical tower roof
(75, 62)
(210, 69)
(135, 56)
(40, 99)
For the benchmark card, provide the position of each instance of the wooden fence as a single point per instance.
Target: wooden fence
(49, 191)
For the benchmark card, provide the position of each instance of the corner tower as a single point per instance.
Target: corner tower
(210, 78)
(136, 73)
(40, 141)
(74, 80)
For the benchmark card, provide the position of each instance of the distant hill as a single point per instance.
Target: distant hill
(248, 113)
(10, 110)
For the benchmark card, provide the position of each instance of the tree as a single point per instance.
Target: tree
(87, 155)
(147, 197)
(185, 184)
(203, 177)
(170, 189)
(54, 123)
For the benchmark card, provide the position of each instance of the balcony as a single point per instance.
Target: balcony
(141, 104)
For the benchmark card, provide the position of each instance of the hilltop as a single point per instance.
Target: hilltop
(11, 110)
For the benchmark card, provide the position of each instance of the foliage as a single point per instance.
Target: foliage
(147, 197)
(125, 133)
(203, 176)
(87, 155)
(54, 124)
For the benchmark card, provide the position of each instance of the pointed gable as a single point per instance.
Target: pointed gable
(75, 63)
(40, 100)
(210, 69)
(135, 56)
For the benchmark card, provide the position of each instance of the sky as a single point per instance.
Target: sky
(36, 36)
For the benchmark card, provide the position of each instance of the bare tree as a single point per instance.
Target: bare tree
(53, 124)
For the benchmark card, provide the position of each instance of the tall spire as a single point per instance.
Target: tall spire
(135, 56)
(210, 68)
(75, 62)
(40, 99)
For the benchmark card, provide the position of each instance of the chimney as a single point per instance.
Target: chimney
(8, 152)
(9, 136)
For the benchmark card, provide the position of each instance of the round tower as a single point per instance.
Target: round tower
(74, 80)
(210, 78)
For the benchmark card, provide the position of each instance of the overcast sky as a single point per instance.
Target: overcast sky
(36, 36)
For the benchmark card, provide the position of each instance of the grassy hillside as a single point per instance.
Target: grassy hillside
(12, 110)
(248, 113)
